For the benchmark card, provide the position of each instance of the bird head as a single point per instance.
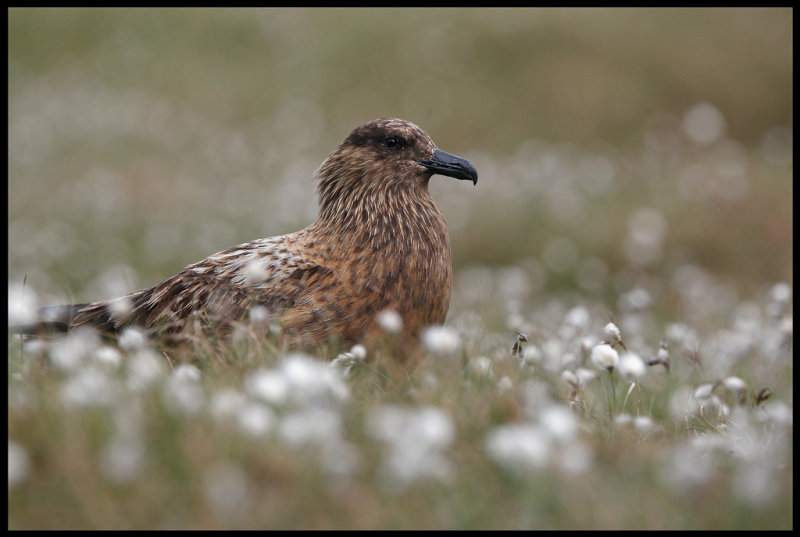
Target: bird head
(384, 154)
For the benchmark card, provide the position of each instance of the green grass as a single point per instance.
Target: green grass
(143, 140)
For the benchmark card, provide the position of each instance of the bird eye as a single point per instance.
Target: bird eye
(392, 141)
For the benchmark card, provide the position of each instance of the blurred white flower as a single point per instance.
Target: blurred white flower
(268, 385)
(481, 366)
(259, 314)
(623, 420)
(22, 304)
(777, 413)
(358, 351)
(703, 392)
(182, 392)
(311, 426)
(120, 308)
(681, 404)
(570, 379)
(145, 367)
(559, 422)
(604, 356)
(107, 356)
(734, 384)
(346, 361)
(780, 293)
(18, 464)
(644, 424)
(532, 355)
(504, 384)
(390, 321)
(703, 123)
(133, 338)
(254, 273)
(516, 447)
(122, 459)
(585, 375)
(416, 439)
(573, 457)
(186, 373)
(255, 419)
(35, 347)
(68, 352)
(577, 317)
(612, 332)
(338, 458)
(636, 299)
(226, 404)
(312, 382)
(686, 468)
(88, 386)
(226, 489)
(631, 366)
(755, 484)
(441, 340)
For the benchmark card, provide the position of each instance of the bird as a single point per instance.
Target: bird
(380, 243)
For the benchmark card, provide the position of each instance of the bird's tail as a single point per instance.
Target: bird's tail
(61, 319)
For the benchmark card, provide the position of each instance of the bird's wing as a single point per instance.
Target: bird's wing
(275, 273)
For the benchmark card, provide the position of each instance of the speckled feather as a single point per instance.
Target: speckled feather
(380, 242)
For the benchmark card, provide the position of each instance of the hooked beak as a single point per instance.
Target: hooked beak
(444, 163)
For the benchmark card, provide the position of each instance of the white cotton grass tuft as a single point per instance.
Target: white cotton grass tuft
(67, 353)
(559, 422)
(685, 469)
(481, 367)
(107, 356)
(255, 419)
(550, 438)
(227, 489)
(145, 368)
(612, 331)
(517, 447)
(23, 304)
(347, 361)
(122, 459)
(441, 340)
(310, 426)
(19, 463)
(254, 273)
(133, 338)
(415, 440)
(631, 366)
(259, 314)
(182, 393)
(390, 321)
(604, 356)
(268, 385)
(88, 386)
(226, 404)
(505, 384)
(312, 383)
(120, 308)
(703, 123)
(754, 484)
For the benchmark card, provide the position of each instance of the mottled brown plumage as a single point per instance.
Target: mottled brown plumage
(380, 242)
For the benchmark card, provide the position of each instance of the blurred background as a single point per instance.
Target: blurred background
(617, 148)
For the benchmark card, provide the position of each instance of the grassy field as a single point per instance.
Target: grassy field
(635, 169)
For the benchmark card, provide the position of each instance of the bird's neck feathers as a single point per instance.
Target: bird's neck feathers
(377, 213)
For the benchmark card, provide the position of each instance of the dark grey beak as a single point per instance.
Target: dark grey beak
(444, 163)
